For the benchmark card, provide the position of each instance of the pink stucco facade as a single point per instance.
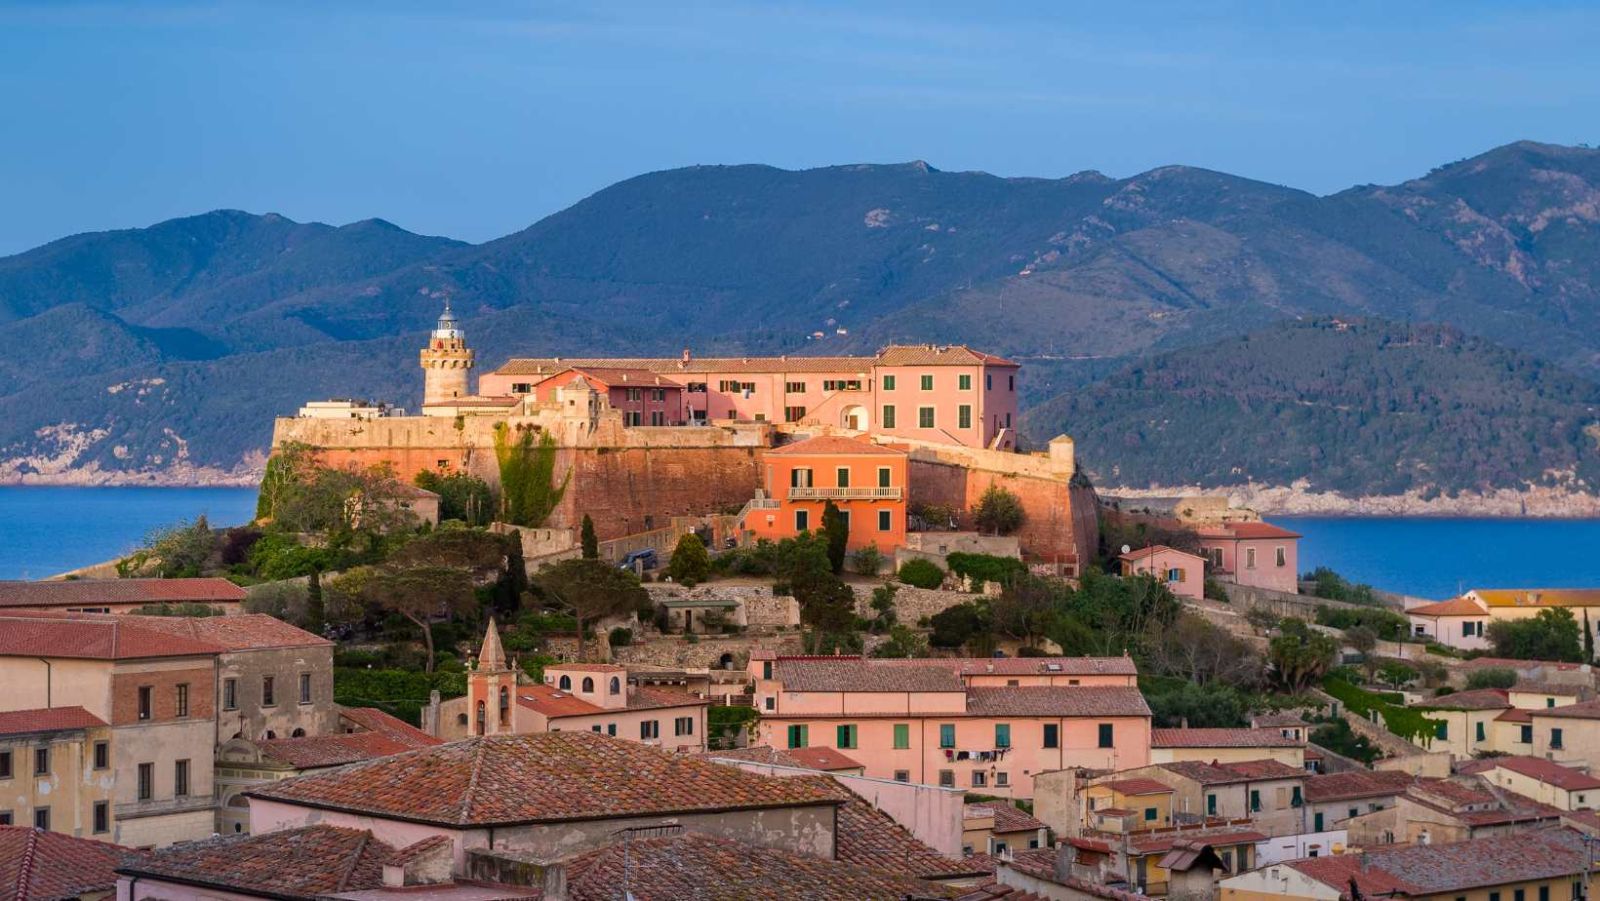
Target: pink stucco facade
(1183, 573)
(1257, 554)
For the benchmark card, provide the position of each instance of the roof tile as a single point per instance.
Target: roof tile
(1222, 738)
(99, 592)
(47, 719)
(50, 866)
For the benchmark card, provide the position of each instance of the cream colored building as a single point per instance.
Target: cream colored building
(1466, 722)
(55, 772)
(1569, 734)
(1545, 781)
(1228, 745)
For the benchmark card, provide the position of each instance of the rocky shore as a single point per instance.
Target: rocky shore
(1298, 500)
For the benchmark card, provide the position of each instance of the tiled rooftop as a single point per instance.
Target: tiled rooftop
(1356, 784)
(1007, 816)
(1137, 786)
(1222, 738)
(309, 862)
(753, 754)
(538, 778)
(855, 674)
(868, 837)
(100, 592)
(1024, 666)
(835, 444)
(695, 865)
(1057, 700)
(1584, 710)
(1477, 699)
(94, 638)
(548, 366)
(244, 632)
(1539, 597)
(1452, 607)
(1245, 531)
(47, 719)
(819, 758)
(1525, 856)
(1162, 842)
(1547, 771)
(1224, 773)
(50, 866)
(316, 751)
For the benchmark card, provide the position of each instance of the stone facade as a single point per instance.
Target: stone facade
(289, 715)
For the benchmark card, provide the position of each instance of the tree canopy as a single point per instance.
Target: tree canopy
(1551, 634)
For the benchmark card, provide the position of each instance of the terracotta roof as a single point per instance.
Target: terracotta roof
(1023, 666)
(552, 365)
(1515, 715)
(625, 376)
(1057, 700)
(539, 778)
(1222, 738)
(374, 720)
(555, 703)
(1138, 786)
(98, 592)
(1475, 804)
(476, 401)
(1525, 856)
(1224, 773)
(586, 668)
(94, 638)
(1245, 531)
(1277, 720)
(51, 866)
(691, 864)
(1547, 771)
(1583, 710)
(1538, 597)
(1477, 699)
(1154, 549)
(1452, 607)
(937, 355)
(1549, 688)
(1356, 784)
(244, 632)
(308, 862)
(316, 751)
(834, 444)
(1515, 664)
(855, 674)
(1040, 863)
(979, 863)
(47, 719)
(1162, 842)
(868, 837)
(1008, 817)
(824, 759)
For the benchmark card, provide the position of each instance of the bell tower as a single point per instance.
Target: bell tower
(446, 361)
(492, 688)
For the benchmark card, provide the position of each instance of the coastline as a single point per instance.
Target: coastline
(1297, 500)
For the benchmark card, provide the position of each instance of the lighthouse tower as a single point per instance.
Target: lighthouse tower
(446, 361)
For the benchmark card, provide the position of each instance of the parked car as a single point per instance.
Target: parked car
(646, 559)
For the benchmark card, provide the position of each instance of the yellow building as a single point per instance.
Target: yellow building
(1466, 721)
(1534, 865)
(1542, 780)
(1127, 805)
(55, 772)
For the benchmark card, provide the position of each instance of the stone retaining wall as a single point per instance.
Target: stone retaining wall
(762, 609)
(707, 652)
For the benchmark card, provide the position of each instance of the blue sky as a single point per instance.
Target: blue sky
(475, 119)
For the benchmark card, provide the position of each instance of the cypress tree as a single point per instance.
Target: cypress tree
(837, 533)
(591, 543)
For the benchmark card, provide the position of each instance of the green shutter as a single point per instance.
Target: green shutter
(947, 735)
(797, 736)
(846, 736)
(902, 736)
(1002, 735)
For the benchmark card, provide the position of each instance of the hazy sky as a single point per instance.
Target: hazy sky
(477, 123)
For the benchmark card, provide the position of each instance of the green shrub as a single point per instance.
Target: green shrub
(986, 568)
(1389, 625)
(1493, 677)
(690, 564)
(401, 692)
(1408, 723)
(921, 573)
(620, 637)
(867, 560)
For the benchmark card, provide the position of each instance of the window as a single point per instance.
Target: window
(1544, 893)
(988, 381)
(305, 688)
(1282, 557)
(888, 416)
(1175, 574)
(144, 702)
(147, 781)
(658, 394)
(902, 775)
(902, 736)
(102, 816)
(180, 779)
(843, 474)
(885, 520)
(1441, 730)
(611, 729)
(269, 697)
(1295, 799)
(947, 735)
(1002, 735)
(1011, 383)
(802, 520)
(1549, 702)
(1519, 895)
(888, 383)
(927, 383)
(1150, 814)
(521, 387)
(1107, 735)
(794, 387)
(1002, 778)
(588, 684)
(658, 418)
(1555, 738)
(1494, 896)
(1211, 805)
(845, 737)
(634, 393)
(182, 700)
(616, 685)
(947, 778)
(885, 475)
(1249, 558)
(595, 728)
(772, 703)
(964, 382)
(5, 820)
(1316, 822)
(102, 755)
(979, 780)
(41, 819)
(800, 477)
(964, 416)
(650, 729)
(633, 419)
(695, 387)
(564, 683)
(230, 694)
(924, 417)
(797, 737)
(794, 414)
(1255, 800)
(5, 764)
(1481, 736)
(1052, 735)
(841, 385)
(41, 761)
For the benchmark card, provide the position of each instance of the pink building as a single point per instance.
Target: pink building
(643, 397)
(1256, 554)
(575, 697)
(947, 394)
(984, 725)
(1184, 573)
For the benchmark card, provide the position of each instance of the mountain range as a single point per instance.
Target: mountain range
(164, 353)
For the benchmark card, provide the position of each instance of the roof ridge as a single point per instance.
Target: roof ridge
(472, 781)
(25, 868)
(355, 859)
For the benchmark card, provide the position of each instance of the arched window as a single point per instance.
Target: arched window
(482, 717)
(461, 718)
(616, 685)
(588, 684)
(505, 706)
(271, 735)
(298, 733)
(565, 684)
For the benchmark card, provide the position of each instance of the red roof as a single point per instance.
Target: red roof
(1057, 700)
(50, 866)
(1477, 699)
(1356, 784)
(824, 759)
(1452, 607)
(309, 862)
(374, 720)
(1246, 531)
(94, 638)
(1515, 857)
(1019, 666)
(1154, 549)
(1222, 738)
(1137, 787)
(1547, 771)
(1584, 710)
(1162, 842)
(49, 719)
(102, 592)
(1008, 818)
(1225, 773)
(244, 632)
(834, 444)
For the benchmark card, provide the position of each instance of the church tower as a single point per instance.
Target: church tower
(492, 688)
(446, 361)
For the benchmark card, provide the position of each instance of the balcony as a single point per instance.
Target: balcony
(844, 494)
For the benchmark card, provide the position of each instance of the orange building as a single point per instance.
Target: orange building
(867, 481)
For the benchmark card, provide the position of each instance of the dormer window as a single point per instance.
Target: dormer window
(616, 685)
(588, 685)
(565, 683)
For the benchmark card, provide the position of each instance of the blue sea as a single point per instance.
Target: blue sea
(44, 531)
